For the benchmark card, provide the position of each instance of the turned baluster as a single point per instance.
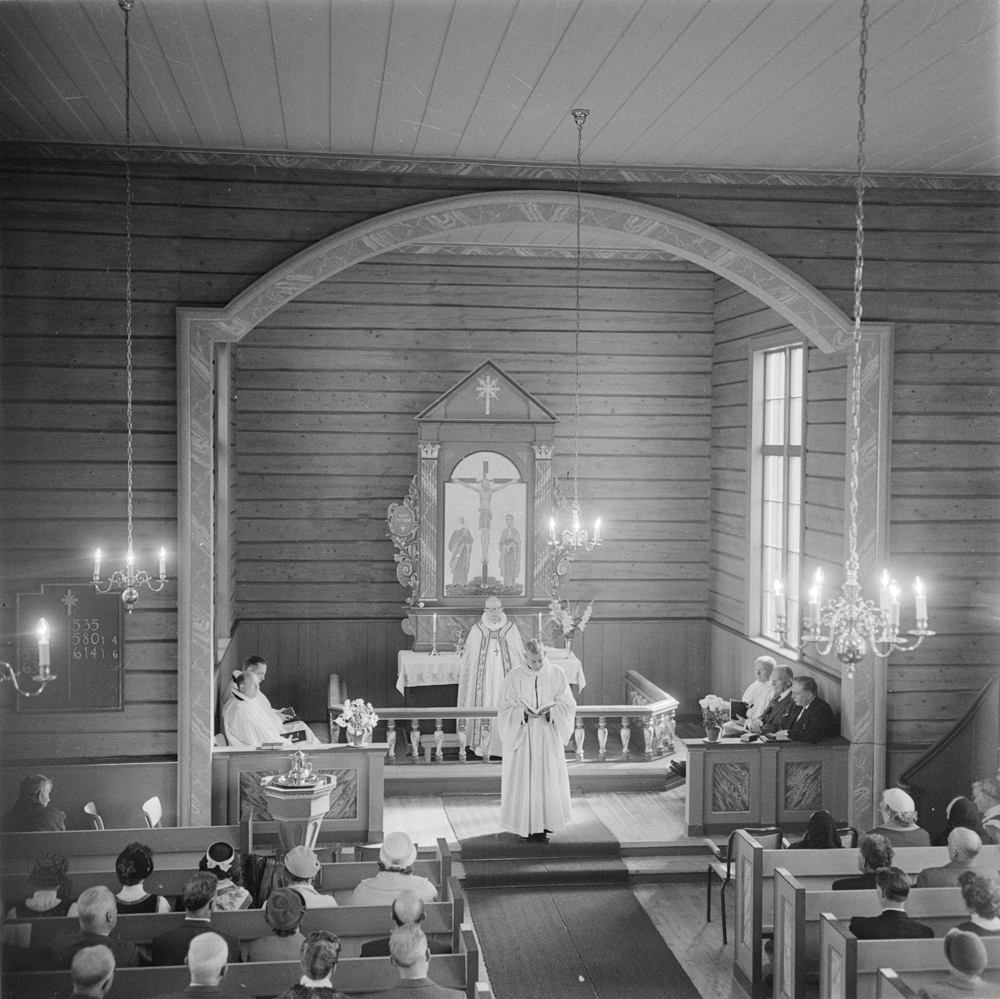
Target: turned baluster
(626, 734)
(487, 736)
(439, 740)
(463, 741)
(415, 739)
(669, 730)
(578, 736)
(390, 738)
(650, 733)
(602, 737)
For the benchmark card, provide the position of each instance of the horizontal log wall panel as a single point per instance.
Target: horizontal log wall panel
(204, 234)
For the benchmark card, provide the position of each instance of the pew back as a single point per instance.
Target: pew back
(889, 985)
(849, 968)
(266, 978)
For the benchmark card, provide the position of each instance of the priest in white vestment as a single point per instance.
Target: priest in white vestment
(492, 650)
(282, 716)
(245, 721)
(536, 716)
(757, 697)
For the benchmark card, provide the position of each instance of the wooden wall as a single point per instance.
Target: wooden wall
(204, 233)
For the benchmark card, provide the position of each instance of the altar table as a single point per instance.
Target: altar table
(421, 669)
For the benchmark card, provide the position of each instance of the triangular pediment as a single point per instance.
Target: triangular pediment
(487, 394)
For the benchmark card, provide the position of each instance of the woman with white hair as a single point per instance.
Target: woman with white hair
(899, 820)
(986, 795)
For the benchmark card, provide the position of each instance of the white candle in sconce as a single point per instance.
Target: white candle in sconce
(552, 528)
(779, 599)
(816, 598)
(920, 599)
(43, 642)
(163, 563)
(883, 593)
(97, 565)
(893, 605)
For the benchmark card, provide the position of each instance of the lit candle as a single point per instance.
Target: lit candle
(893, 605)
(539, 625)
(43, 642)
(818, 579)
(814, 605)
(434, 629)
(921, 602)
(552, 528)
(163, 563)
(97, 566)
(779, 599)
(597, 529)
(883, 593)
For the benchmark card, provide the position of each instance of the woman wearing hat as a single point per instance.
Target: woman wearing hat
(962, 813)
(301, 867)
(133, 866)
(220, 860)
(283, 912)
(32, 811)
(395, 864)
(899, 820)
(51, 897)
(967, 959)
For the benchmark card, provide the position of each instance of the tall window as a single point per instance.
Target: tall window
(778, 464)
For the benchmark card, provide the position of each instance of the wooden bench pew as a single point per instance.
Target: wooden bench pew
(753, 873)
(849, 968)
(799, 911)
(355, 924)
(354, 975)
(889, 985)
(340, 878)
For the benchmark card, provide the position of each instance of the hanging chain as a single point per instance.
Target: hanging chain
(859, 265)
(126, 6)
(579, 116)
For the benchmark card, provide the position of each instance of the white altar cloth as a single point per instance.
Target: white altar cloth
(421, 669)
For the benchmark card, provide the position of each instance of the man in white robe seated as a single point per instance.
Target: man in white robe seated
(536, 715)
(493, 649)
(297, 731)
(756, 698)
(245, 721)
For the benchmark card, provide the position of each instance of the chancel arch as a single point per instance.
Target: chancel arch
(538, 222)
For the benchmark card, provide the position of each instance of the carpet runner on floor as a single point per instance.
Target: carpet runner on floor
(584, 943)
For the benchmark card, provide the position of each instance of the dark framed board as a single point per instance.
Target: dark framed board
(85, 648)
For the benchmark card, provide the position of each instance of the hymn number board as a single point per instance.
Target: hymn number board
(85, 648)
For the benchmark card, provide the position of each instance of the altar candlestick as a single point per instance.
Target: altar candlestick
(163, 563)
(921, 601)
(97, 566)
(43, 642)
(539, 625)
(434, 629)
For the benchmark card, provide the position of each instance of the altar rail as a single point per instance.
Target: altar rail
(654, 709)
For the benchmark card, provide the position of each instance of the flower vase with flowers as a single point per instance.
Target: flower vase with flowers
(359, 718)
(569, 622)
(715, 714)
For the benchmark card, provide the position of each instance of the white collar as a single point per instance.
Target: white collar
(494, 627)
(986, 924)
(316, 983)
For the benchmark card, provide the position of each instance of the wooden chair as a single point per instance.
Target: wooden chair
(848, 837)
(152, 811)
(91, 809)
(770, 838)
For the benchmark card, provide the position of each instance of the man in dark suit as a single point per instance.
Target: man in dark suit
(963, 855)
(815, 721)
(98, 915)
(199, 896)
(407, 910)
(783, 710)
(893, 924)
(874, 852)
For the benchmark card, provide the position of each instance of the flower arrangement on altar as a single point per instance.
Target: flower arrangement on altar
(358, 717)
(569, 622)
(714, 711)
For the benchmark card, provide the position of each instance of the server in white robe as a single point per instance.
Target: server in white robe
(246, 722)
(298, 731)
(492, 650)
(536, 715)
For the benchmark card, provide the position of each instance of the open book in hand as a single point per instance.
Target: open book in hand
(539, 711)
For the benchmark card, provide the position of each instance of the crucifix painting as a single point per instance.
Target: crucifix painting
(485, 510)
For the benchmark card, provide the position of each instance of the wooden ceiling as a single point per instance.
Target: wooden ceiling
(726, 84)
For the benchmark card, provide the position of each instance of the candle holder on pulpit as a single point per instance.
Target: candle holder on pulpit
(298, 801)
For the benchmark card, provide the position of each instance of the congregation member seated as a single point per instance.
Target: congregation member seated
(301, 867)
(963, 855)
(284, 912)
(98, 915)
(981, 896)
(133, 866)
(207, 958)
(874, 853)
(245, 720)
(92, 971)
(199, 899)
(220, 860)
(962, 812)
(986, 795)
(395, 862)
(821, 834)
(814, 721)
(967, 958)
(285, 718)
(51, 895)
(411, 958)
(893, 888)
(899, 820)
(319, 957)
(32, 811)
(755, 700)
(407, 910)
